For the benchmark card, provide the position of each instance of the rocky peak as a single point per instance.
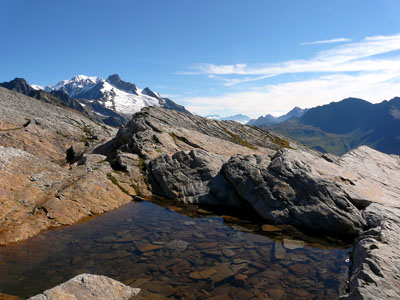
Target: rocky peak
(19, 85)
(149, 92)
(125, 86)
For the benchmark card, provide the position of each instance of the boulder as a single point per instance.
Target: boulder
(89, 287)
(186, 176)
(295, 187)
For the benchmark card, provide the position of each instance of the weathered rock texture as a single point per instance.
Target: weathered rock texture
(89, 287)
(376, 258)
(46, 130)
(294, 188)
(38, 189)
(154, 131)
(184, 153)
(190, 176)
(196, 160)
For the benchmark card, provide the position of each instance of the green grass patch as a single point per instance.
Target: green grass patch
(86, 129)
(239, 140)
(11, 129)
(137, 189)
(281, 142)
(115, 181)
(28, 121)
(142, 166)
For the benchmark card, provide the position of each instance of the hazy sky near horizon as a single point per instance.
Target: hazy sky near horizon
(213, 56)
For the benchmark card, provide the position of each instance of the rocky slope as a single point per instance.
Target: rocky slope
(194, 160)
(38, 188)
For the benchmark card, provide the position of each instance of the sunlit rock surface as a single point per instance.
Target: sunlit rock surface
(89, 287)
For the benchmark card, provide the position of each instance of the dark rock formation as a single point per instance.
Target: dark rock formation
(187, 176)
(288, 190)
(125, 86)
(293, 185)
(376, 256)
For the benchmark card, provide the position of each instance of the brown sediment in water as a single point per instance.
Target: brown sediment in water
(177, 256)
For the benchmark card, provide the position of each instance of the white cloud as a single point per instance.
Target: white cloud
(355, 70)
(280, 98)
(337, 40)
(346, 58)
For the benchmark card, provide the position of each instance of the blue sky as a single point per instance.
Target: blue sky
(253, 57)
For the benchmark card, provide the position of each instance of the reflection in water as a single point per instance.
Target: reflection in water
(162, 252)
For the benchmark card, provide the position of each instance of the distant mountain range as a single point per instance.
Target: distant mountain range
(267, 120)
(110, 100)
(238, 118)
(334, 128)
(341, 126)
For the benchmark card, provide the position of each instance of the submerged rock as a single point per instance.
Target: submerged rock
(89, 287)
(9, 297)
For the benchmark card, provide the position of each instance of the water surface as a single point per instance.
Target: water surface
(164, 252)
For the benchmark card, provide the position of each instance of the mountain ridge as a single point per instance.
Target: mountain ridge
(123, 97)
(338, 127)
(243, 119)
(111, 101)
(269, 119)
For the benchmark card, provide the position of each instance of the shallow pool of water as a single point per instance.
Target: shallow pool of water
(166, 253)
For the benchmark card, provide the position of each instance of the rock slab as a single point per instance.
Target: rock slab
(89, 287)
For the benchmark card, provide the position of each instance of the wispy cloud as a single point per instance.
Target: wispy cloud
(359, 69)
(352, 57)
(331, 41)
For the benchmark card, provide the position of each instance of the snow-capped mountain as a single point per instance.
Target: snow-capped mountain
(238, 118)
(114, 94)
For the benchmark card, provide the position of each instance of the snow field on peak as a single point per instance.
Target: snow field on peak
(113, 98)
(125, 103)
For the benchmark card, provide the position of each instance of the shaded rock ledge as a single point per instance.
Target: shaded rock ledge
(89, 287)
